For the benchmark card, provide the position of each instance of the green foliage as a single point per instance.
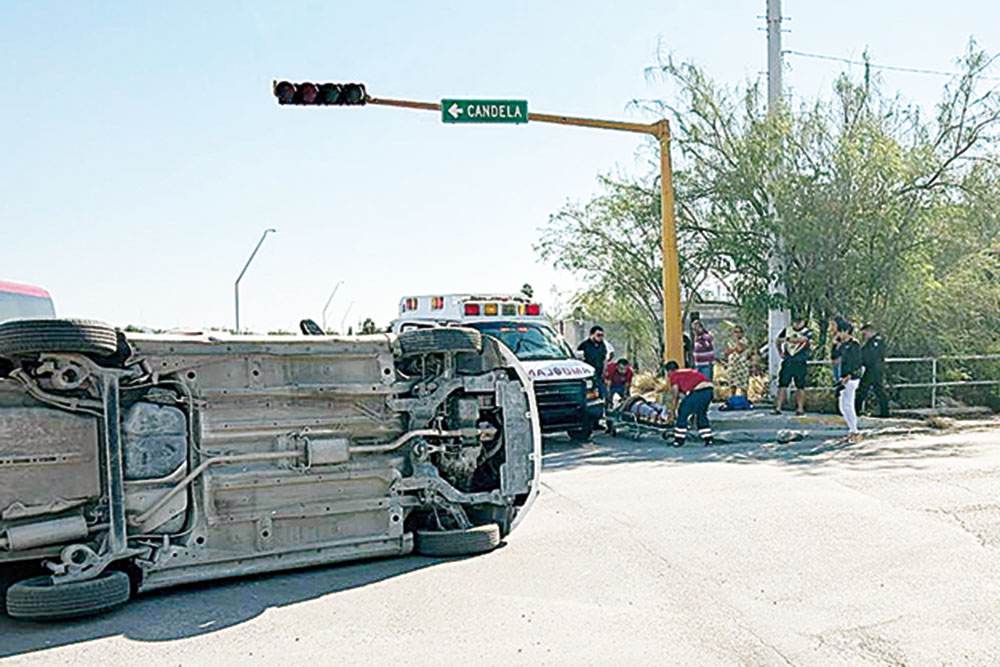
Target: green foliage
(884, 216)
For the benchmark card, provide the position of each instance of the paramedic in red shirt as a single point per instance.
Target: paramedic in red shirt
(697, 390)
(618, 376)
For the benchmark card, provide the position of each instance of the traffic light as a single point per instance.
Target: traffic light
(307, 93)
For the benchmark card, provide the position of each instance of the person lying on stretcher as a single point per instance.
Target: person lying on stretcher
(646, 412)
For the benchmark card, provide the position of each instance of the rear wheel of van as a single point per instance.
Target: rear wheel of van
(38, 599)
(475, 540)
(580, 434)
(84, 336)
(450, 339)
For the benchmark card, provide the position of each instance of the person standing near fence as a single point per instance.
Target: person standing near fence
(873, 358)
(793, 346)
(850, 376)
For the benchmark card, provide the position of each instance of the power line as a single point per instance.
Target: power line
(911, 70)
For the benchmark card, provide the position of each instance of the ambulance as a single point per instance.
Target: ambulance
(565, 390)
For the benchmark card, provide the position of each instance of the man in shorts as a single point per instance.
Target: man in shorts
(793, 346)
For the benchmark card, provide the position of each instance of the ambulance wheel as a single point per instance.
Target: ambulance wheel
(579, 434)
(449, 339)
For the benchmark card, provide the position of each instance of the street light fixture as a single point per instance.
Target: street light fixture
(240, 277)
(328, 303)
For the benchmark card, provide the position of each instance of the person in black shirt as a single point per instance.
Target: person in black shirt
(850, 376)
(873, 358)
(595, 352)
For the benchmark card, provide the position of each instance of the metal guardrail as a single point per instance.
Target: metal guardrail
(933, 384)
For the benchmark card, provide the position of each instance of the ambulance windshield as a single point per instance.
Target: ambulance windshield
(529, 341)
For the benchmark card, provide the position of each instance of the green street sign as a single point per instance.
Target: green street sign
(484, 111)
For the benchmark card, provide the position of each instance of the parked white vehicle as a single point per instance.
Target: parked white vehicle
(18, 300)
(565, 390)
(132, 463)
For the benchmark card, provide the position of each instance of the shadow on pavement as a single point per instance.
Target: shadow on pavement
(192, 610)
(809, 454)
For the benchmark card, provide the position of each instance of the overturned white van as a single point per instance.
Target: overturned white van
(134, 462)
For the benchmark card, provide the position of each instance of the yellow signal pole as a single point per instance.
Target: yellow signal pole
(672, 326)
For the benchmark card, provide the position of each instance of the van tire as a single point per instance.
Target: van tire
(580, 434)
(475, 540)
(52, 335)
(448, 339)
(37, 599)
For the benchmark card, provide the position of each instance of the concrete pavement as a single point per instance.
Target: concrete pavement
(805, 553)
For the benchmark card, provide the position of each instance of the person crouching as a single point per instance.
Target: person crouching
(697, 390)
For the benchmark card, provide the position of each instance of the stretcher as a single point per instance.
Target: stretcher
(636, 417)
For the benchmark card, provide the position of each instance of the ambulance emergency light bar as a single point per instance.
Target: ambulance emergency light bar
(493, 306)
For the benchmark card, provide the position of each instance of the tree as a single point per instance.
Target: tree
(878, 208)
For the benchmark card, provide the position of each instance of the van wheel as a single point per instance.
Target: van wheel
(475, 540)
(39, 599)
(450, 339)
(580, 434)
(85, 336)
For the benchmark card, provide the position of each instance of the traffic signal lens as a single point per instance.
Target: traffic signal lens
(306, 93)
(329, 93)
(285, 92)
(354, 93)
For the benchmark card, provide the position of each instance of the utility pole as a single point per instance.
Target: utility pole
(777, 317)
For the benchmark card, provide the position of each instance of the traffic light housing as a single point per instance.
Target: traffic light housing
(320, 94)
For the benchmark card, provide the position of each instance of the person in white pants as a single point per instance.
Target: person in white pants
(850, 375)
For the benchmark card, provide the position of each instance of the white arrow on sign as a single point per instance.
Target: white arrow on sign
(455, 111)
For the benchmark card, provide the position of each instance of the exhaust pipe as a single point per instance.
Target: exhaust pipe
(44, 533)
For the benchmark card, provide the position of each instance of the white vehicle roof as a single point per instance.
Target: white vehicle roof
(483, 307)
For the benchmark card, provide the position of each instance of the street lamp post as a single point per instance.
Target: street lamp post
(328, 303)
(240, 277)
(346, 313)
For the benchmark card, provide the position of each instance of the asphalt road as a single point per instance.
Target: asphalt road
(806, 553)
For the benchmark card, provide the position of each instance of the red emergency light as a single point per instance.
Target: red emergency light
(437, 302)
(411, 304)
(533, 309)
(471, 309)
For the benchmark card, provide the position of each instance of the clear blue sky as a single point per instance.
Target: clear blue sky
(144, 153)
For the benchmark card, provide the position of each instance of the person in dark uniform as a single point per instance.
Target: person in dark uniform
(697, 390)
(873, 358)
(595, 352)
